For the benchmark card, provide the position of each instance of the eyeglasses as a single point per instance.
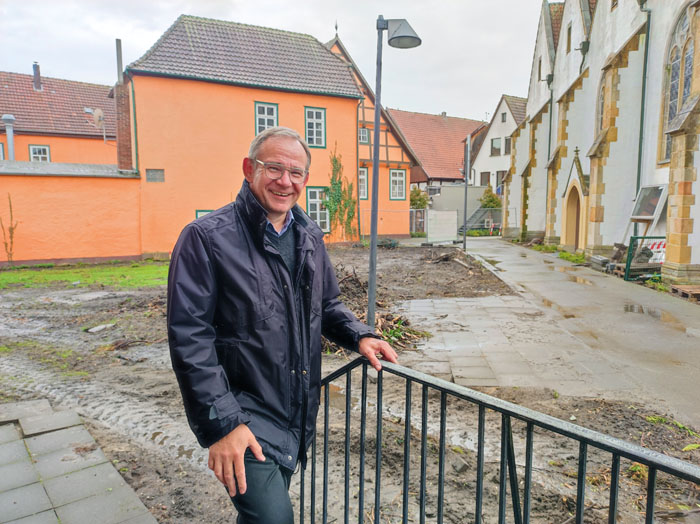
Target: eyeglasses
(275, 171)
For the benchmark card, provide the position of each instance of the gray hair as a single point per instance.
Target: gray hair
(279, 131)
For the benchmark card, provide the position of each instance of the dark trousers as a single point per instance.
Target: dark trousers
(266, 500)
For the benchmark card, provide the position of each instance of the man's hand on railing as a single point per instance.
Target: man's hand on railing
(373, 349)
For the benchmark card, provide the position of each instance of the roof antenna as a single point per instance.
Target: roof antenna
(336, 28)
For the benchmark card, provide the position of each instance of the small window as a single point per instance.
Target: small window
(363, 135)
(503, 117)
(2, 151)
(39, 154)
(199, 213)
(315, 126)
(397, 180)
(500, 177)
(613, 4)
(265, 116)
(506, 146)
(362, 183)
(155, 175)
(485, 178)
(568, 39)
(315, 207)
(539, 69)
(495, 147)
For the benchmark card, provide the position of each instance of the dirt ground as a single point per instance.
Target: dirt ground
(119, 380)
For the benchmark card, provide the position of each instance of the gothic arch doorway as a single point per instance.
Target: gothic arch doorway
(573, 219)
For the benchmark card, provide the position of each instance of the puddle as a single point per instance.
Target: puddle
(658, 314)
(565, 312)
(337, 397)
(547, 261)
(523, 255)
(580, 280)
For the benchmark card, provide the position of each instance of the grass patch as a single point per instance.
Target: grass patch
(655, 419)
(548, 248)
(121, 275)
(5, 349)
(575, 258)
(418, 234)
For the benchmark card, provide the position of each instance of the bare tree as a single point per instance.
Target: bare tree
(8, 236)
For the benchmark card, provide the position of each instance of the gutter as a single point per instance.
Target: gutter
(646, 10)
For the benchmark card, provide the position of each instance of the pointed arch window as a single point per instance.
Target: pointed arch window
(679, 71)
(601, 106)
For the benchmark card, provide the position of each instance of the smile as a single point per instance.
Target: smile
(280, 194)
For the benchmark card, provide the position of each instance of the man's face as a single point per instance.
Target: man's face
(276, 196)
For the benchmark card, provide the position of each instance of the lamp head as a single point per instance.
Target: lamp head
(401, 34)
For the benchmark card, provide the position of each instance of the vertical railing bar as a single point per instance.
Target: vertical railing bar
(406, 451)
(423, 449)
(441, 463)
(301, 495)
(614, 486)
(581, 482)
(527, 495)
(513, 474)
(325, 452)
(363, 427)
(348, 398)
(378, 468)
(313, 480)
(502, 475)
(480, 465)
(651, 495)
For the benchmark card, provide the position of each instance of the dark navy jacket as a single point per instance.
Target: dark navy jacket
(245, 338)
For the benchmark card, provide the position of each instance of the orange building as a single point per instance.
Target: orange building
(202, 93)
(396, 160)
(185, 114)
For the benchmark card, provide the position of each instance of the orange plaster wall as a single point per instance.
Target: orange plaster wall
(199, 133)
(74, 150)
(71, 217)
(392, 215)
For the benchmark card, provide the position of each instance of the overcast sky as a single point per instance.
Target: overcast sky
(473, 50)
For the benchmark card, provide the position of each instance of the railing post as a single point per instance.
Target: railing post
(441, 463)
(363, 427)
(378, 468)
(502, 475)
(527, 495)
(348, 404)
(513, 475)
(614, 484)
(406, 452)
(651, 495)
(480, 465)
(423, 448)
(581, 485)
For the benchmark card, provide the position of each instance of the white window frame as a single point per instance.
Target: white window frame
(35, 156)
(362, 183)
(397, 184)
(269, 119)
(316, 209)
(363, 135)
(315, 126)
(2, 151)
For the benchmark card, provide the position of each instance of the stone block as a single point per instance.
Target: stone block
(87, 482)
(113, 507)
(61, 439)
(17, 474)
(24, 501)
(28, 408)
(44, 423)
(68, 460)
(46, 517)
(12, 452)
(8, 433)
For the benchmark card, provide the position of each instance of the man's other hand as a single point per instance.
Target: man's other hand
(226, 458)
(373, 349)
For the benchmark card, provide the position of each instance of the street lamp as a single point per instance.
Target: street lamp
(401, 35)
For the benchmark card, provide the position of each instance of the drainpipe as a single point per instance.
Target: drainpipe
(646, 10)
(9, 121)
(550, 81)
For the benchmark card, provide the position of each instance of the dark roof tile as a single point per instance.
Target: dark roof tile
(229, 52)
(556, 13)
(517, 106)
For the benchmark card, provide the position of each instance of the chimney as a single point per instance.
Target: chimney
(37, 77)
(443, 114)
(9, 121)
(123, 106)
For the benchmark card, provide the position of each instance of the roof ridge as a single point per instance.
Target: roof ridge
(433, 114)
(43, 77)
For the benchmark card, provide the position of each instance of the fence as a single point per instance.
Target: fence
(342, 492)
(645, 256)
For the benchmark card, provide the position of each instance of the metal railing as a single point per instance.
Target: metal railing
(637, 243)
(520, 500)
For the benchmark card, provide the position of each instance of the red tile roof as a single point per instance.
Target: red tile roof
(241, 54)
(556, 13)
(58, 109)
(437, 140)
(592, 4)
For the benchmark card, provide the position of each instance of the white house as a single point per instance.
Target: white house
(492, 162)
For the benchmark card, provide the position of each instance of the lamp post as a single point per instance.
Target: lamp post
(401, 35)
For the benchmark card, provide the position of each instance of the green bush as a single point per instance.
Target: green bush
(490, 199)
(418, 234)
(419, 199)
(551, 248)
(575, 258)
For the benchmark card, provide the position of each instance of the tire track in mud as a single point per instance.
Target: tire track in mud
(139, 420)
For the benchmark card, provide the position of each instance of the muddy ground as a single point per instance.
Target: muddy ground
(118, 378)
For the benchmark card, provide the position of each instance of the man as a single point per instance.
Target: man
(250, 291)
